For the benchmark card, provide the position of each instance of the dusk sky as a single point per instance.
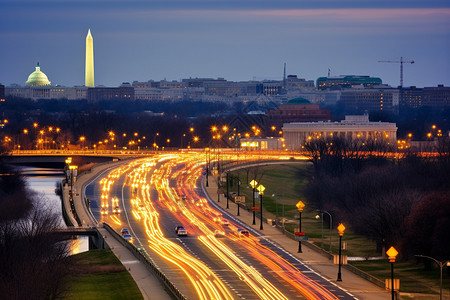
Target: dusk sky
(234, 39)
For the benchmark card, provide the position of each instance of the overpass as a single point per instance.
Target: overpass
(96, 239)
(57, 158)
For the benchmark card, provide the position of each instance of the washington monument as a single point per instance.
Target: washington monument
(89, 72)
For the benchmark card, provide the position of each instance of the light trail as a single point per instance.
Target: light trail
(175, 175)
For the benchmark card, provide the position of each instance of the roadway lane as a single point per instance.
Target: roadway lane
(155, 195)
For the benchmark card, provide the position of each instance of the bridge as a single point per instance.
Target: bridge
(96, 240)
(57, 158)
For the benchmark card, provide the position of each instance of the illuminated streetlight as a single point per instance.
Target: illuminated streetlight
(254, 184)
(340, 229)
(300, 205)
(261, 189)
(392, 253)
(331, 222)
(441, 264)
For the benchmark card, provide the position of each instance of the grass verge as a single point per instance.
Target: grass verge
(284, 188)
(98, 274)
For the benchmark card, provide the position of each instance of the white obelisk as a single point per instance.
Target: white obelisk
(89, 72)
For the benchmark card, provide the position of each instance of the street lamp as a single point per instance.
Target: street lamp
(441, 264)
(331, 222)
(392, 253)
(261, 189)
(340, 229)
(300, 205)
(253, 184)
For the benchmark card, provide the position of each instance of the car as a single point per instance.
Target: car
(218, 233)
(116, 210)
(243, 232)
(182, 232)
(124, 231)
(104, 211)
(128, 238)
(225, 222)
(178, 228)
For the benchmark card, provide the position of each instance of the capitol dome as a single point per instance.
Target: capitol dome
(37, 78)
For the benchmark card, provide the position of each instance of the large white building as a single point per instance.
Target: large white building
(47, 92)
(353, 127)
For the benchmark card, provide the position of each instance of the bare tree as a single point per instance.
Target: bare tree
(33, 259)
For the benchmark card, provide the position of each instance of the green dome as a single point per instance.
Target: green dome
(299, 101)
(37, 78)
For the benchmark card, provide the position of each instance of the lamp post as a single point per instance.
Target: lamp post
(253, 184)
(261, 189)
(300, 205)
(228, 192)
(340, 229)
(206, 163)
(331, 223)
(441, 264)
(392, 253)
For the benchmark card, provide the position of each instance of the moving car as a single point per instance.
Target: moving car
(104, 211)
(225, 222)
(124, 231)
(178, 228)
(218, 233)
(243, 232)
(116, 210)
(128, 237)
(182, 232)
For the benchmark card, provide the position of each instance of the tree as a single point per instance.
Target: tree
(427, 227)
(33, 259)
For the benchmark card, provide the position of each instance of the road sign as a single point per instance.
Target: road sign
(239, 199)
(204, 173)
(301, 238)
(300, 233)
(300, 205)
(255, 208)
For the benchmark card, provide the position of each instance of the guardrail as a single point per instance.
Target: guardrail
(149, 264)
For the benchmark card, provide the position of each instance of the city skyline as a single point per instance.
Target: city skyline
(238, 41)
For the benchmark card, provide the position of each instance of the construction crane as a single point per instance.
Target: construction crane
(401, 62)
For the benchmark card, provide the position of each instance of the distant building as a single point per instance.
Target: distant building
(437, 97)
(269, 143)
(37, 78)
(297, 110)
(353, 127)
(110, 93)
(346, 81)
(2, 93)
(47, 92)
(359, 99)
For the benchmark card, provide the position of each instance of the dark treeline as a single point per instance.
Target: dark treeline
(33, 260)
(394, 201)
(172, 119)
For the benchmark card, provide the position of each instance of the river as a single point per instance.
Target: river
(44, 181)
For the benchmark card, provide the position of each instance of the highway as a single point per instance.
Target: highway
(213, 261)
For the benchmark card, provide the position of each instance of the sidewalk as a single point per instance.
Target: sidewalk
(357, 286)
(150, 286)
